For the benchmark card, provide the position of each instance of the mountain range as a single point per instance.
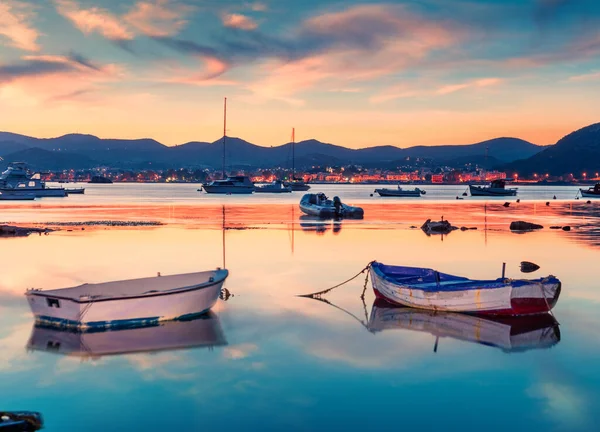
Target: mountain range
(576, 153)
(77, 151)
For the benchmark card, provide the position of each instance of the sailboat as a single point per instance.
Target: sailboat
(295, 183)
(229, 185)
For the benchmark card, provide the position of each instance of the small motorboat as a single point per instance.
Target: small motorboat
(386, 192)
(275, 187)
(202, 331)
(510, 334)
(593, 192)
(319, 205)
(75, 191)
(128, 303)
(424, 288)
(496, 188)
(16, 196)
(17, 421)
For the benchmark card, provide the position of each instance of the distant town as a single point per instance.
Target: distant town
(350, 175)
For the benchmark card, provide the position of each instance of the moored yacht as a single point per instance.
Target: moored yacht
(230, 185)
(274, 187)
(16, 179)
(496, 188)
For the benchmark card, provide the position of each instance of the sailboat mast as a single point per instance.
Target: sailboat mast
(224, 134)
(293, 153)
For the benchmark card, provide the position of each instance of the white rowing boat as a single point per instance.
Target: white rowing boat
(128, 303)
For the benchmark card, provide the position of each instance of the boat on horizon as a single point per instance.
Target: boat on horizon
(319, 205)
(399, 192)
(276, 186)
(201, 332)
(495, 188)
(16, 179)
(510, 334)
(592, 192)
(128, 303)
(228, 185)
(425, 288)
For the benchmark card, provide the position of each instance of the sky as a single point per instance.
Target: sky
(354, 73)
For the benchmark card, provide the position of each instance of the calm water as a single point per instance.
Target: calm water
(268, 360)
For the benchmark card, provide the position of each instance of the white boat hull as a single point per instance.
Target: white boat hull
(489, 191)
(102, 312)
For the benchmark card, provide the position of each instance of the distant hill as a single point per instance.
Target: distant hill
(576, 153)
(39, 159)
(145, 153)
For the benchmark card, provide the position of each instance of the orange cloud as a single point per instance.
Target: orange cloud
(94, 19)
(15, 25)
(158, 19)
(239, 21)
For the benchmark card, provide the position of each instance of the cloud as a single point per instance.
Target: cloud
(39, 79)
(257, 6)
(238, 21)
(15, 25)
(478, 83)
(158, 19)
(237, 352)
(586, 77)
(93, 19)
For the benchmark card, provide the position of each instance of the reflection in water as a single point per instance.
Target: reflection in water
(510, 334)
(204, 331)
(319, 226)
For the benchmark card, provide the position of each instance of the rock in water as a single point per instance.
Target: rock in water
(566, 228)
(524, 226)
(528, 267)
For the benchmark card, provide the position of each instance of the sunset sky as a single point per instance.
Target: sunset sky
(353, 73)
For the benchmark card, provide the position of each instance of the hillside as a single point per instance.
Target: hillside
(144, 153)
(575, 154)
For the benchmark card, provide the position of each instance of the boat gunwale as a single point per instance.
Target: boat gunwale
(462, 283)
(92, 299)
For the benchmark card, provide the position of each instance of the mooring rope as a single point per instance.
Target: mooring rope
(320, 293)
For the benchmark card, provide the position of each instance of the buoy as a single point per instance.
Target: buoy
(371, 195)
(554, 197)
(588, 202)
(506, 204)
(547, 203)
(518, 200)
(464, 194)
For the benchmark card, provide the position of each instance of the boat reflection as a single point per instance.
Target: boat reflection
(319, 226)
(510, 334)
(204, 331)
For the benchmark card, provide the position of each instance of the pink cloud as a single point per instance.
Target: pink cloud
(15, 25)
(361, 43)
(94, 19)
(159, 18)
(239, 21)
(209, 76)
(257, 6)
(76, 78)
(484, 82)
(585, 77)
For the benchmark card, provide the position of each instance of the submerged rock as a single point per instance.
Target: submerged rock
(566, 228)
(441, 227)
(14, 231)
(524, 226)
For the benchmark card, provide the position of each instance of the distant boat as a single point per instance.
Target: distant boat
(425, 288)
(274, 187)
(100, 180)
(75, 191)
(203, 331)
(297, 185)
(319, 205)
(17, 421)
(228, 185)
(16, 196)
(510, 334)
(16, 179)
(592, 192)
(128, 303)
(385, 192)
(496, 188)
